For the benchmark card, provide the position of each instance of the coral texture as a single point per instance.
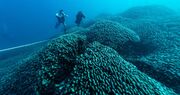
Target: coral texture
(100, 70)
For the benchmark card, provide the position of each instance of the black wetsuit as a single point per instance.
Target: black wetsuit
(79, 18)
(61, 20)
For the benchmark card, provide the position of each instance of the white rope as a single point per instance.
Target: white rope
(21, 46)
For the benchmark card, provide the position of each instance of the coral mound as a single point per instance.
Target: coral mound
(100, 70)
(112, 34)
(58, 59)
(24, 79)
(159, 49)
(131, 54)
(148, 12)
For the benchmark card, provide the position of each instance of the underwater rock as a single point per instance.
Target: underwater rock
(100, 70)
(152, 11)
(112, 34)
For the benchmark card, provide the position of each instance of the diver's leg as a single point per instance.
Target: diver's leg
(64, 27)
(57, 24)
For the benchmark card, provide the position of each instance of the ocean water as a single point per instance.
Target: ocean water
(28, 21)
(122, 47)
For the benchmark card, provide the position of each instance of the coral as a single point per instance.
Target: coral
(109, 33)
(151, 32)
(57, 60)
(100, 70)
(159, 45)
(24, 79)
(163, 66)
(160, 48)
(157, 54)
(19, 73)
(112, 34)
(99, 59)
(171, 23)
(152, 11)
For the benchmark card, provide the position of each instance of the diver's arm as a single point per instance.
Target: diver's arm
(62, 14)
(57, 15)
(65, 14)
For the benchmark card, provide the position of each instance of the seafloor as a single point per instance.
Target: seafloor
(136, 52)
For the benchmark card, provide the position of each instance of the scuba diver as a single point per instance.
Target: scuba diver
(61, 19)
(79, 18)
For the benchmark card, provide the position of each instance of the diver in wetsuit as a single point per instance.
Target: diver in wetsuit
(79, 18)
(61, 19)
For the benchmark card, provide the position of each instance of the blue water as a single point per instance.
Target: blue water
(27, 21)
(135, 50)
